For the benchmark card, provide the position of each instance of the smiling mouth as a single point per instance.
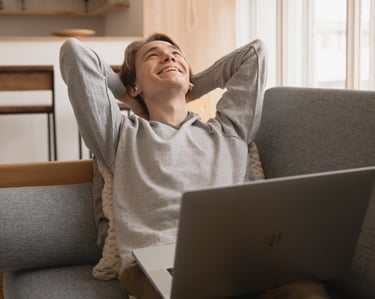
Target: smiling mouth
(169, 69)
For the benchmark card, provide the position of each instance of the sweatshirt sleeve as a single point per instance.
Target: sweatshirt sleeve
(92, 87)
(243, 74)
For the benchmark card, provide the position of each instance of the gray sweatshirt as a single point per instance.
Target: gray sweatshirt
(153, 162)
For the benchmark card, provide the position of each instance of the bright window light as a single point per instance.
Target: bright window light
(313, 43)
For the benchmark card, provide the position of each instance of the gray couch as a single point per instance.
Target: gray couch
(48, 236)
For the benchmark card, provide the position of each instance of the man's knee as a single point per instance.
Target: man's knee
(297, 290)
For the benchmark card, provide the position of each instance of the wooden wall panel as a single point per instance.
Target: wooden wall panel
(204, 29)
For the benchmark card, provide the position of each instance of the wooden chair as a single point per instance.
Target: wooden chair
(32, 78)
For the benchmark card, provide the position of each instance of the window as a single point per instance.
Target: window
(257, 19)
(329, 43)
(313, 43)
(367, 46)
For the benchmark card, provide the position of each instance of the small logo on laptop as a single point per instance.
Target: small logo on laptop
(274, 239)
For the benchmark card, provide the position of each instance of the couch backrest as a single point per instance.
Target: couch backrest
(46, 215)
(305, 130)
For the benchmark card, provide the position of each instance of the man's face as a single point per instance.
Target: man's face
(161, 65)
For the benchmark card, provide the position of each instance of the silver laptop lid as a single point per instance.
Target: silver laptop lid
(247, 238)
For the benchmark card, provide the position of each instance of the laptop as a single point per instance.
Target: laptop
(246, 238)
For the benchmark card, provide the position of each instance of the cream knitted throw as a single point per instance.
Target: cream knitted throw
(109, 265)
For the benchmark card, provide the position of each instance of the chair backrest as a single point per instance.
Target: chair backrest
(27, 78)
(305, 130)
(13, 78)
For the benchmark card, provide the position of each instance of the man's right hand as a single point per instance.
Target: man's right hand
(127, 102)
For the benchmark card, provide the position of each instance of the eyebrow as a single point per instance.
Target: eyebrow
(156, 48)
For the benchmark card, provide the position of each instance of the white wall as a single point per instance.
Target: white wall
(23, 138)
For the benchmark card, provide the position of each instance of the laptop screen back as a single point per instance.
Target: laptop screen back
(244, 239)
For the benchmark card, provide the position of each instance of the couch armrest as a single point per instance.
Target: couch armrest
(46, 226)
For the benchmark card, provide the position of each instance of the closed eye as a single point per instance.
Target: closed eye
(150, 55)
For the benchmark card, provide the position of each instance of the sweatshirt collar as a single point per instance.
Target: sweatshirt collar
(190, 118)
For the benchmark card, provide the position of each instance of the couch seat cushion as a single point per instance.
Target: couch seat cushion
(60, 283)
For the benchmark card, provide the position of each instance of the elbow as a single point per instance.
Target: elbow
(69, 49)
(68, 54)
(260, 48)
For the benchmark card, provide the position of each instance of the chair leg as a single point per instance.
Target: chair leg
(79, 145)
(52, 142)
(80, 153)
(54, 135)
(49, 136)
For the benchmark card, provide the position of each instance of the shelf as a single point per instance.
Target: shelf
(100, 11)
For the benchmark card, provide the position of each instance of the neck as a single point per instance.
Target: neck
(170, 114)
(171, 110)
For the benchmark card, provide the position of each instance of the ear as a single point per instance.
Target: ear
(134, 91)
(191, 85)
(190, 94)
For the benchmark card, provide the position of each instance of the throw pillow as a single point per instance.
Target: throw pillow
(255, 163)
(101, 220)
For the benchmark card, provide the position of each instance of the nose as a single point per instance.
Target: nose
(167, 56)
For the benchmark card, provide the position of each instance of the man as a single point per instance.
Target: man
(156, 157)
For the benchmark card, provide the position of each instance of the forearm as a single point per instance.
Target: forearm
(240, 107)
(218, 74)
(243, 74)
